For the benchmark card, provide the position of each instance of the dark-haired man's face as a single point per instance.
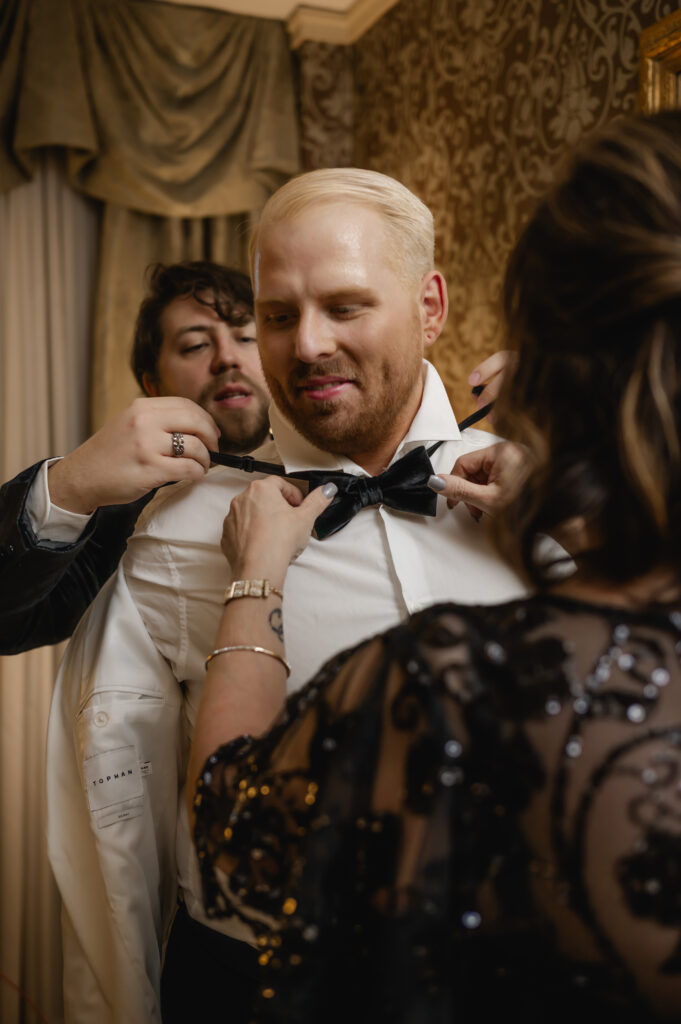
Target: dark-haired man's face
(217, 365)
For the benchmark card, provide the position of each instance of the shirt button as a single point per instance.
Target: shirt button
(101, 718)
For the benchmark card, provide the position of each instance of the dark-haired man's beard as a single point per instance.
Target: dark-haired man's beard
(239, 406)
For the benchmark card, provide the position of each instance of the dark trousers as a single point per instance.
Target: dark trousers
(206, 975)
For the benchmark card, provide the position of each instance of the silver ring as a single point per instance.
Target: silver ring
(178, 445)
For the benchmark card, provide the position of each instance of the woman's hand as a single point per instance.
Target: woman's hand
(485, 479)
(268, 525)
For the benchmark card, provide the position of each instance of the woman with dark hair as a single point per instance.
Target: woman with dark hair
(479, 812)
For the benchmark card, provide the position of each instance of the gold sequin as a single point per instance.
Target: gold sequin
(289, 906)
(228, 833)
(268, 993)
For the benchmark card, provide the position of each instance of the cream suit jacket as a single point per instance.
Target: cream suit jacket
(114, 754)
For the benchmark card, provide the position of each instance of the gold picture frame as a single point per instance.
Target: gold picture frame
(660, 65)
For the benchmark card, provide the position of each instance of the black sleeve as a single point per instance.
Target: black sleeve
(46, 586)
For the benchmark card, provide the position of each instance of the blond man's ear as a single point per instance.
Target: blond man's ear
(434, 306)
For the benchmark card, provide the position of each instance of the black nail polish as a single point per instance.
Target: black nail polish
(478, 389)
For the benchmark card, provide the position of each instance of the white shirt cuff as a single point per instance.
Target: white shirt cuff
(48, 521)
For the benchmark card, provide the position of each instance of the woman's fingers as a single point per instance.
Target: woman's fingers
(489, 368)
(478, 497)
(486, 379)
(485, 479)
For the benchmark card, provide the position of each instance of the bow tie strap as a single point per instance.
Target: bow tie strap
(247, 464)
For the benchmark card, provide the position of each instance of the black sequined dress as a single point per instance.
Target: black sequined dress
(475, 816)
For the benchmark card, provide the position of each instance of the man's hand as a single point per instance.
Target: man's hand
(485, 480)
(486, 379)
(268, 525)
(133, 453)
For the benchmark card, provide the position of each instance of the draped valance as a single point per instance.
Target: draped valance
(167, 110)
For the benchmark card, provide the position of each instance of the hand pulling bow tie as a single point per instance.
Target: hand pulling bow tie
(402, 486)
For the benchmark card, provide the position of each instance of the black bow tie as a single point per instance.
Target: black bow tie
(402, 486)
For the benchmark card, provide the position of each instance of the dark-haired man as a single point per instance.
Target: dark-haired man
(64, 523)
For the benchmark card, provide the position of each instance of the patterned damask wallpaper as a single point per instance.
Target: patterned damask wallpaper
(326, 84)
(472, 104)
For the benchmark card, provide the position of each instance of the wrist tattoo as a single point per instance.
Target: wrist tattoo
(277, 623)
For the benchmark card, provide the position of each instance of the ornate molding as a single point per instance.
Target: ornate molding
(660, 65)
(340, 27)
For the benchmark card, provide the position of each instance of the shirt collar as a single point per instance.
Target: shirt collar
(434, 421)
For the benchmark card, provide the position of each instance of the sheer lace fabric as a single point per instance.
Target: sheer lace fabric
(477, 813)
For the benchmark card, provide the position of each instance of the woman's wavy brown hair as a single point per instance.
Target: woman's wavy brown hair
(592, 300)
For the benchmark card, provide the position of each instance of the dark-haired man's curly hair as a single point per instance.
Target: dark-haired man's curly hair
(224, 289)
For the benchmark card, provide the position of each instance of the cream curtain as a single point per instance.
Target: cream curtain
(181, 120)
(166, 109)
(47, 277)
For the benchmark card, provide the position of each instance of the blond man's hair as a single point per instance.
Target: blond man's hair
(408, 222)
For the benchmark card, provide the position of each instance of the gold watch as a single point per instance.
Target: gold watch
(250, 588)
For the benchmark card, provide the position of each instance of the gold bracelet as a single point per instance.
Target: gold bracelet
(248, 647)
(250, 588)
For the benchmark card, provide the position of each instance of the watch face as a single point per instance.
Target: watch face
(247, 588)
